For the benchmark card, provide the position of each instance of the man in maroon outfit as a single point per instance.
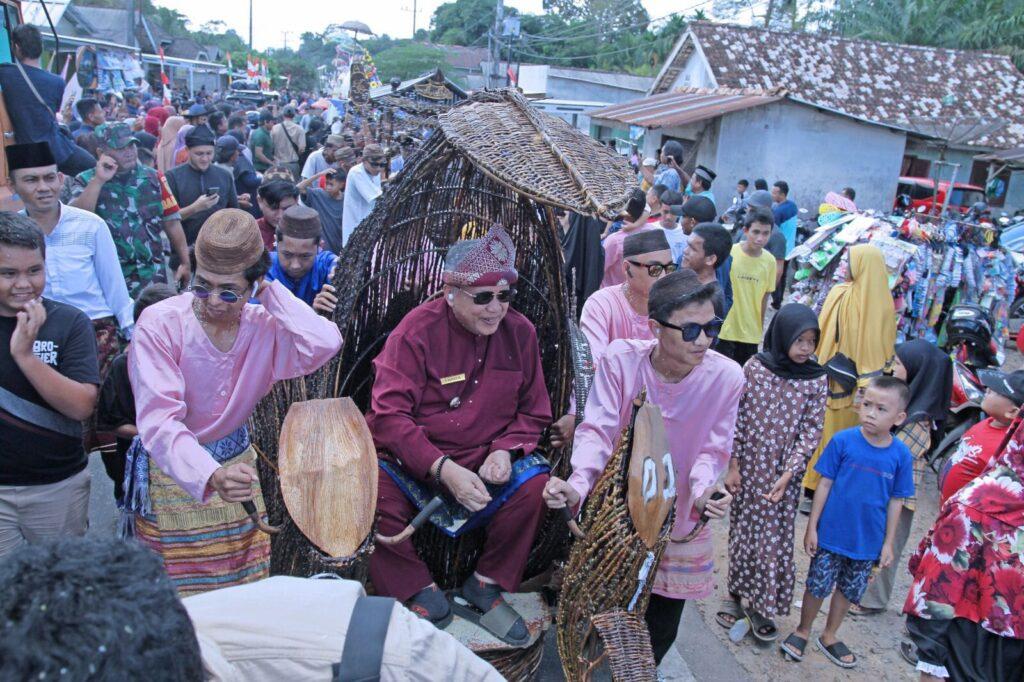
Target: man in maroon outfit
(459, 389)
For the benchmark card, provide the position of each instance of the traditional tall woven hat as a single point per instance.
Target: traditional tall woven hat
(229, 242)
(489, 261)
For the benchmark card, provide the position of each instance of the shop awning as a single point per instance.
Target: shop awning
(1013, 158)
(684, 106)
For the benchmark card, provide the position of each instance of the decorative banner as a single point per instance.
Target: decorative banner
(164, 80)
(230, 69)
(251, 67)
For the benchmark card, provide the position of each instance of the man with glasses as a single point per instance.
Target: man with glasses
(459, 404)
(698, 392)
(299, 263)
(362, 188)
(198, 364)
(620, 311)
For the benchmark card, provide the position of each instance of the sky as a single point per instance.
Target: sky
(275, 22)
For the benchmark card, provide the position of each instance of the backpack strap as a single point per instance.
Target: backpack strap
(364, 648)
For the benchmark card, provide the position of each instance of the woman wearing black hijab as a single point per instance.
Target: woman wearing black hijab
(778, 426)
(929, 373)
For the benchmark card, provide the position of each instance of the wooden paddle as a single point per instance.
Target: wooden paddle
(328, 471)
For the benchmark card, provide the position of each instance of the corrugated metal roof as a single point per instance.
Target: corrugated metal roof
(1010, 157)
(687, 105)
(33, 13)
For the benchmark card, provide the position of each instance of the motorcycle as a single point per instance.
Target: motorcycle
(969, 340)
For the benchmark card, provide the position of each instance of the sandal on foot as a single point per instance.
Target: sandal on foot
(729, 608)
(431, 604)
(763, 629)
(836, 652)
(908, 650)
(794, 647)
(858, 610)
(482, 603)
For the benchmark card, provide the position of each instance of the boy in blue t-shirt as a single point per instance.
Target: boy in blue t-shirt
(865, 475)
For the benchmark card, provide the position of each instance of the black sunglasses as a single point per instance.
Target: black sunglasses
(692, 330)
(485, 297)
(376, 164)
(202, 293)
(655, 269)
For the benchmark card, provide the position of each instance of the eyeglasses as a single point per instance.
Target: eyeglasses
(691, 330)
(485, 297)
(376, 164)
(655, 269)
(203, 293)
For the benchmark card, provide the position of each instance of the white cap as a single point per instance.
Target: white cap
(650, 161)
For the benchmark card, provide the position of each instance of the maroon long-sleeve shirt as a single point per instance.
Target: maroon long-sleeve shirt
(429, 360)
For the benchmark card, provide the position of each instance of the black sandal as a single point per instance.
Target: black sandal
(763, 629)
(499, 619)
(835, 653)
(728, 608)
(431, 604)
(794, 647)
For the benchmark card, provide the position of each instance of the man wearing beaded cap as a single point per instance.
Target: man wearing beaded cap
(198, 364)
(458, 407)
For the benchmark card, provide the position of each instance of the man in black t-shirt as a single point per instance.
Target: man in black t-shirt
(201, 188)
(49, 376)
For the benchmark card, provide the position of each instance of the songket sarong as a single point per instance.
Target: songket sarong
(203, 546)
(452, 518)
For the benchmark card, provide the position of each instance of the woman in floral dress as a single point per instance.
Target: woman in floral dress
(965, 609)
(779, 425)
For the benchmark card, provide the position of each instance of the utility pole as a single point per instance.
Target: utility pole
(250, 25)
(414, 19)
(495, 43)
(285, 34)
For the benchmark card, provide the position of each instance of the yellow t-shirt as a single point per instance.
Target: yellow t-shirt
(751, 279)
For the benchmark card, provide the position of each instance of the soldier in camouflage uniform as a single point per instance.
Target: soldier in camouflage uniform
(137, 205)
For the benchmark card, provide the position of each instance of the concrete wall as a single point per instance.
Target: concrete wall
(814, 151)
(581, 90)
(1015, 192)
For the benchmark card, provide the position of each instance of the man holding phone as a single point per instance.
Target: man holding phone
(362, 189)
(200, 187)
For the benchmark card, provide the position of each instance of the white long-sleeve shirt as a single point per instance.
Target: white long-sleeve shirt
(361, 192)
(82, 268)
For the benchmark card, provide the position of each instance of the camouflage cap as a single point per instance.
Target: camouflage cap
(116, 135)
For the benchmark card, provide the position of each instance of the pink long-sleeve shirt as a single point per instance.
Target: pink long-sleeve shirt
(607, 316)
(187, 392)
(700, 419)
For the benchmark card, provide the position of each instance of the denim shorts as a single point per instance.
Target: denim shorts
(829, 570)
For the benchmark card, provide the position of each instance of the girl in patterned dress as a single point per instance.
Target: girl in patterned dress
(779, 425)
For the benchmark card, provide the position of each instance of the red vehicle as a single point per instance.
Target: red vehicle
(921, 192)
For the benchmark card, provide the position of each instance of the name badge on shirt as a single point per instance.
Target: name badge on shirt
(453, 379)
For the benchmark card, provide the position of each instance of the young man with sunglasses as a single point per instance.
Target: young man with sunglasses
(198, 364)
(459, 404)
(362, 187)
(620, 311)
(752, 275)
(698, 392)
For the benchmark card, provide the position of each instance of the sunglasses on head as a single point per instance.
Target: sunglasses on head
(203, 293)
(485, 297)
(655, 269)
(691, 330)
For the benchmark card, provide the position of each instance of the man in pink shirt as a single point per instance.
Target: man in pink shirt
(198, 364)
(698, 393)
(620, 311)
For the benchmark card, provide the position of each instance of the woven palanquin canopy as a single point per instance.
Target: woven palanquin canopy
(539, 155)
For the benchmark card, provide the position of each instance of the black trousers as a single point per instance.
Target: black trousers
(737, 350)
(663, 616)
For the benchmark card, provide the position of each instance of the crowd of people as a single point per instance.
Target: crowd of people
(169, 268)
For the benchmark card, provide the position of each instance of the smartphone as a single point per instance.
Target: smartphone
(212, 191)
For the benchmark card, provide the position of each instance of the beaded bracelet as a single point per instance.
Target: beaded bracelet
(437, 473)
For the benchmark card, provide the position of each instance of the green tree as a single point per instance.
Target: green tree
(407, 59)
(463, 22)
